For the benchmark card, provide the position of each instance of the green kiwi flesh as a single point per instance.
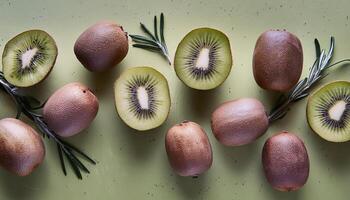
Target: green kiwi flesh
(142, 98)
(203, 59)
(328, 111)
(28, 58)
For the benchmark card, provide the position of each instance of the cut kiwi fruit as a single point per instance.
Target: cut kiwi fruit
(142, 98)
(328, 111)
(28, 58)
(203, 59)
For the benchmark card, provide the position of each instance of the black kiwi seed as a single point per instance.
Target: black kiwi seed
(327, 102)
(148, 83)
(196, 45)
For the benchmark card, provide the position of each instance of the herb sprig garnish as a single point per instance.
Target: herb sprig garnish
(153, 42)
(28, 106)
(302, 88)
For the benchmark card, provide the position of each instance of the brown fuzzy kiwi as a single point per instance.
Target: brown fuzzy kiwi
(70, 109)
(239, 122)
(21, 147)
(102, 46)
(277, 60)
(188, 148)
(285, 161)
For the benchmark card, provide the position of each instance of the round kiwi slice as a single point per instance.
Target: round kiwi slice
(203, 59)
(28, 58)
(142, 98)
(328, 111)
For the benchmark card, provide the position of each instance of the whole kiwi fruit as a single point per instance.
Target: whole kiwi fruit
(21, 147)
(70, 109)
(188, 148)
(277, 60)
(239, 122)
(285, 161)
(102, 46)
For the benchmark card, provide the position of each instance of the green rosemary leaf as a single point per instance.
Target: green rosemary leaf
(148, 47)
(162, 30)
(140, 38)
(318, 48)
(155, 28)
(74, 165)
(60, 154)
(78, 163)
(156, 42)
(79, 152)
(143, 27)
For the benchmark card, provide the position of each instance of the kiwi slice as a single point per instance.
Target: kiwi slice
(142, 98)
(203, 59)
(328, 111)
(28, 58)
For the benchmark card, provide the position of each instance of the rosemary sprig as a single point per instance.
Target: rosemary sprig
(302, 88)
(153, 42)
(28, 106)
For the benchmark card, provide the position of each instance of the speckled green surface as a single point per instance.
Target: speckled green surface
(134, 165)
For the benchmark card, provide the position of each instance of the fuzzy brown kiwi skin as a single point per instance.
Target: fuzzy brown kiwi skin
(285, 161)
(70, 109)
(21, 147)
(277, 60)
(102, 46)
(188, 149)
(239, 122)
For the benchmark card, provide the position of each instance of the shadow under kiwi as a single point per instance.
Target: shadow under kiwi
(191, 187)
(199, 104)
(139, 144)
(102, 83)
(29, 187)
(238, 158)
(335, 155)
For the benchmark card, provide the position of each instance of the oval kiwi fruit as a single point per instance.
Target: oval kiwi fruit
(203, 59)
(21, 147)
(285, 161)
(188, 149)
(70, 109)
(142, 98)
(328, 111)
(239, 122)
(102, 46)
(28, 58)
(277, 60)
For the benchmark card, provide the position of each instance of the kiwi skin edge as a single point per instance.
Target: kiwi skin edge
(277, 60)
(188, 149)
(239, 122)
(285, 161)
(22, 149)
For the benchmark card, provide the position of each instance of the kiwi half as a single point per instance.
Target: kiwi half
(28, 58)
(328, 111)
(203, 59)
(142, 98)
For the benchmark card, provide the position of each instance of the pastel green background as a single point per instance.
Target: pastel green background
(133, 165)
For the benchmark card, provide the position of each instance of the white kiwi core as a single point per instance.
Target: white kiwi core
(27, 57)
(203, 59)
(142, 97)
(337, 110)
